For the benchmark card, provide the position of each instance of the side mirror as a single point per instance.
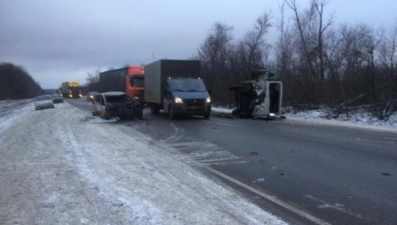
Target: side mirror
(209, 91)
(166, 91)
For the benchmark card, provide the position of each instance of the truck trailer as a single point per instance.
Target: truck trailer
(128, 79)
(71, 89)
(175, 87)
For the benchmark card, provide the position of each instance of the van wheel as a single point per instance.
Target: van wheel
(206, 116)
(171, 114)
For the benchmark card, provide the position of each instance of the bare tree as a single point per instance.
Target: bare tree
(311, 39)
(92, 81)
(216, 48)
(255, 43)
(266, 49)
(300, 26)
(215, 54)
(93, 76)
(319, 5)
(387, 86)
(388, 48)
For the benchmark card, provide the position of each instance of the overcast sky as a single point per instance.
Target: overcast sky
(62, 40)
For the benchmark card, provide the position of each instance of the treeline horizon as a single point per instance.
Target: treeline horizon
(321, 64)
(16, 83)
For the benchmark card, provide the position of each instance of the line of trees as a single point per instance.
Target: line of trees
(92, 80)
(226, 62)
(16, 83)
(320, 63)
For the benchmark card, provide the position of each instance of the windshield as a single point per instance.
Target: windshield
(74, 88)
(187, 85)
(43, 97)
(137, 80)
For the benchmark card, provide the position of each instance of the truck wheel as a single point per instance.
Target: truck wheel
(171, 114)
(139, 114)
(154, 108)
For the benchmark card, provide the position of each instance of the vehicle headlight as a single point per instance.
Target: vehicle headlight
(80, 95)
(178, 100)
(70, 96)
(208, 100)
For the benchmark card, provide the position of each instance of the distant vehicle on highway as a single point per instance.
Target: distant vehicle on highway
(43, 102)
(90, 96)
(57, 98)
(116, 104)
(71, 89)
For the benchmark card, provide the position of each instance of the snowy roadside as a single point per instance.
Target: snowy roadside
(59, 166)
(10, 111)
(358, 120)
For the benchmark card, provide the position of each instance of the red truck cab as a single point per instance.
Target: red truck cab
(135, 82)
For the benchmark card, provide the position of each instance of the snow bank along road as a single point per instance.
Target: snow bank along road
(58, 166)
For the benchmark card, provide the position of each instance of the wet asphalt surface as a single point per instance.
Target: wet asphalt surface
(340, 175)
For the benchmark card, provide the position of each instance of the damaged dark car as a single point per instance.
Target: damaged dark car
(116, 104)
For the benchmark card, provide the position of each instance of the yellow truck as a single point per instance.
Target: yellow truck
(71, 89)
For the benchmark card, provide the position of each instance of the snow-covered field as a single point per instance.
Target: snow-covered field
(59, 166)
(358, 119)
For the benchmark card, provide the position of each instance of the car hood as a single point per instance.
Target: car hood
(192, 95)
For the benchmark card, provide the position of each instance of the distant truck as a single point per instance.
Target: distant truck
(71, 89)
(175, 87)
(128, 79)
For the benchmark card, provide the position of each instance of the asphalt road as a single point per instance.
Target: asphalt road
(310, 173)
